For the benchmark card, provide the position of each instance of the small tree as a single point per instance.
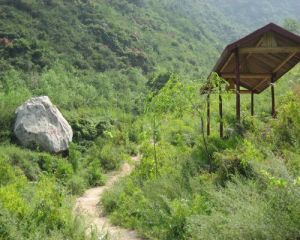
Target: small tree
(178, 98)
(292, 25)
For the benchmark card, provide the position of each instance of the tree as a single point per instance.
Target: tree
(292, 25)
(178, 98)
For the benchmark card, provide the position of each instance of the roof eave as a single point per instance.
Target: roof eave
(231, 47)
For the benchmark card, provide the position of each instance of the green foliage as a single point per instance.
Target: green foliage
(36, 210)
(243, 210)
(115, 76)
(292, 25)
(77, 184)
(35, 193)
(237, 194)
(287, 129)
(107, 35)
(95, 174)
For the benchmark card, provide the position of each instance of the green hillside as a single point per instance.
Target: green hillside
(126, 75)
(107, 35)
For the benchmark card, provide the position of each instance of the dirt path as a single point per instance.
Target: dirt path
(87, 206)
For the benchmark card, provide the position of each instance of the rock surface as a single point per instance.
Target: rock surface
(39, 124)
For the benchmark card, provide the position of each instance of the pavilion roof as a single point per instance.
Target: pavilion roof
(265, 56)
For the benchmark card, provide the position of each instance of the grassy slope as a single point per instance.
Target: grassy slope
(93, 58)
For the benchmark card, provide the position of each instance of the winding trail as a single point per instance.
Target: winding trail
(87, 206)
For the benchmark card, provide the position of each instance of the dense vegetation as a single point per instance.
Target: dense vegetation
(243, 187)
(126, 75)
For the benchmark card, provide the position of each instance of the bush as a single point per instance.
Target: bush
(287, 129)
(255, 213)
(21, 160)
(59, 167)
(7, 173)
(76, 185)
(111, 157)
(74, 157)
(94, 174)
(231, 163)
(12, 200)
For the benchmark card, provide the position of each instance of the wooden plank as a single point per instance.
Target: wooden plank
(245, 91)
(227, 62)
(273, 58)
(297, 56)
(269, 40)
(266, 60)
(260, 84)
(264, 50)
(246, 75)
(242, 91)
(258, 66)
(250, 54)
(276, 69)
(284, 62)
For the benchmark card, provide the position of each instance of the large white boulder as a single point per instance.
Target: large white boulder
(39, 124)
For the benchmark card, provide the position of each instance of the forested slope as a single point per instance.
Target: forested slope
(126, 74)
(253, 14)
(105, 35)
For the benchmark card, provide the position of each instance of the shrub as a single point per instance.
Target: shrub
(254, 213)
(74, 157)
(21, 160)
(56, 166)
(7, 173)
(12, 200)
(230, 163)
(287, 129)
(111, 157)
(76, 185)
(94, 174)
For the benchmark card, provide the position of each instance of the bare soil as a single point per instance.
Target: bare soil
(87, 206)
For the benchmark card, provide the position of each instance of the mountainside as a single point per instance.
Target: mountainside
(107, 35)
(183, 36)
(126, 74)
(104, 35)
(257, 13)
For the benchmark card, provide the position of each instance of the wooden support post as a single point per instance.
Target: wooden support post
(273, 97)
(237, 84)
(221, 113)
(252, 103)
(208, 115)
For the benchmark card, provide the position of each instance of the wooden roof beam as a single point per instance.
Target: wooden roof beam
(276, 69)
(250, 54)
(227, 62)
(245, 91)
(261, 83)
(263, 64)
(242, 91)
(264, 50)
(284, 62)
(247, 75)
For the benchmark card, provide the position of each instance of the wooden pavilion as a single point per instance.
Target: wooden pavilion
(254, 63)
